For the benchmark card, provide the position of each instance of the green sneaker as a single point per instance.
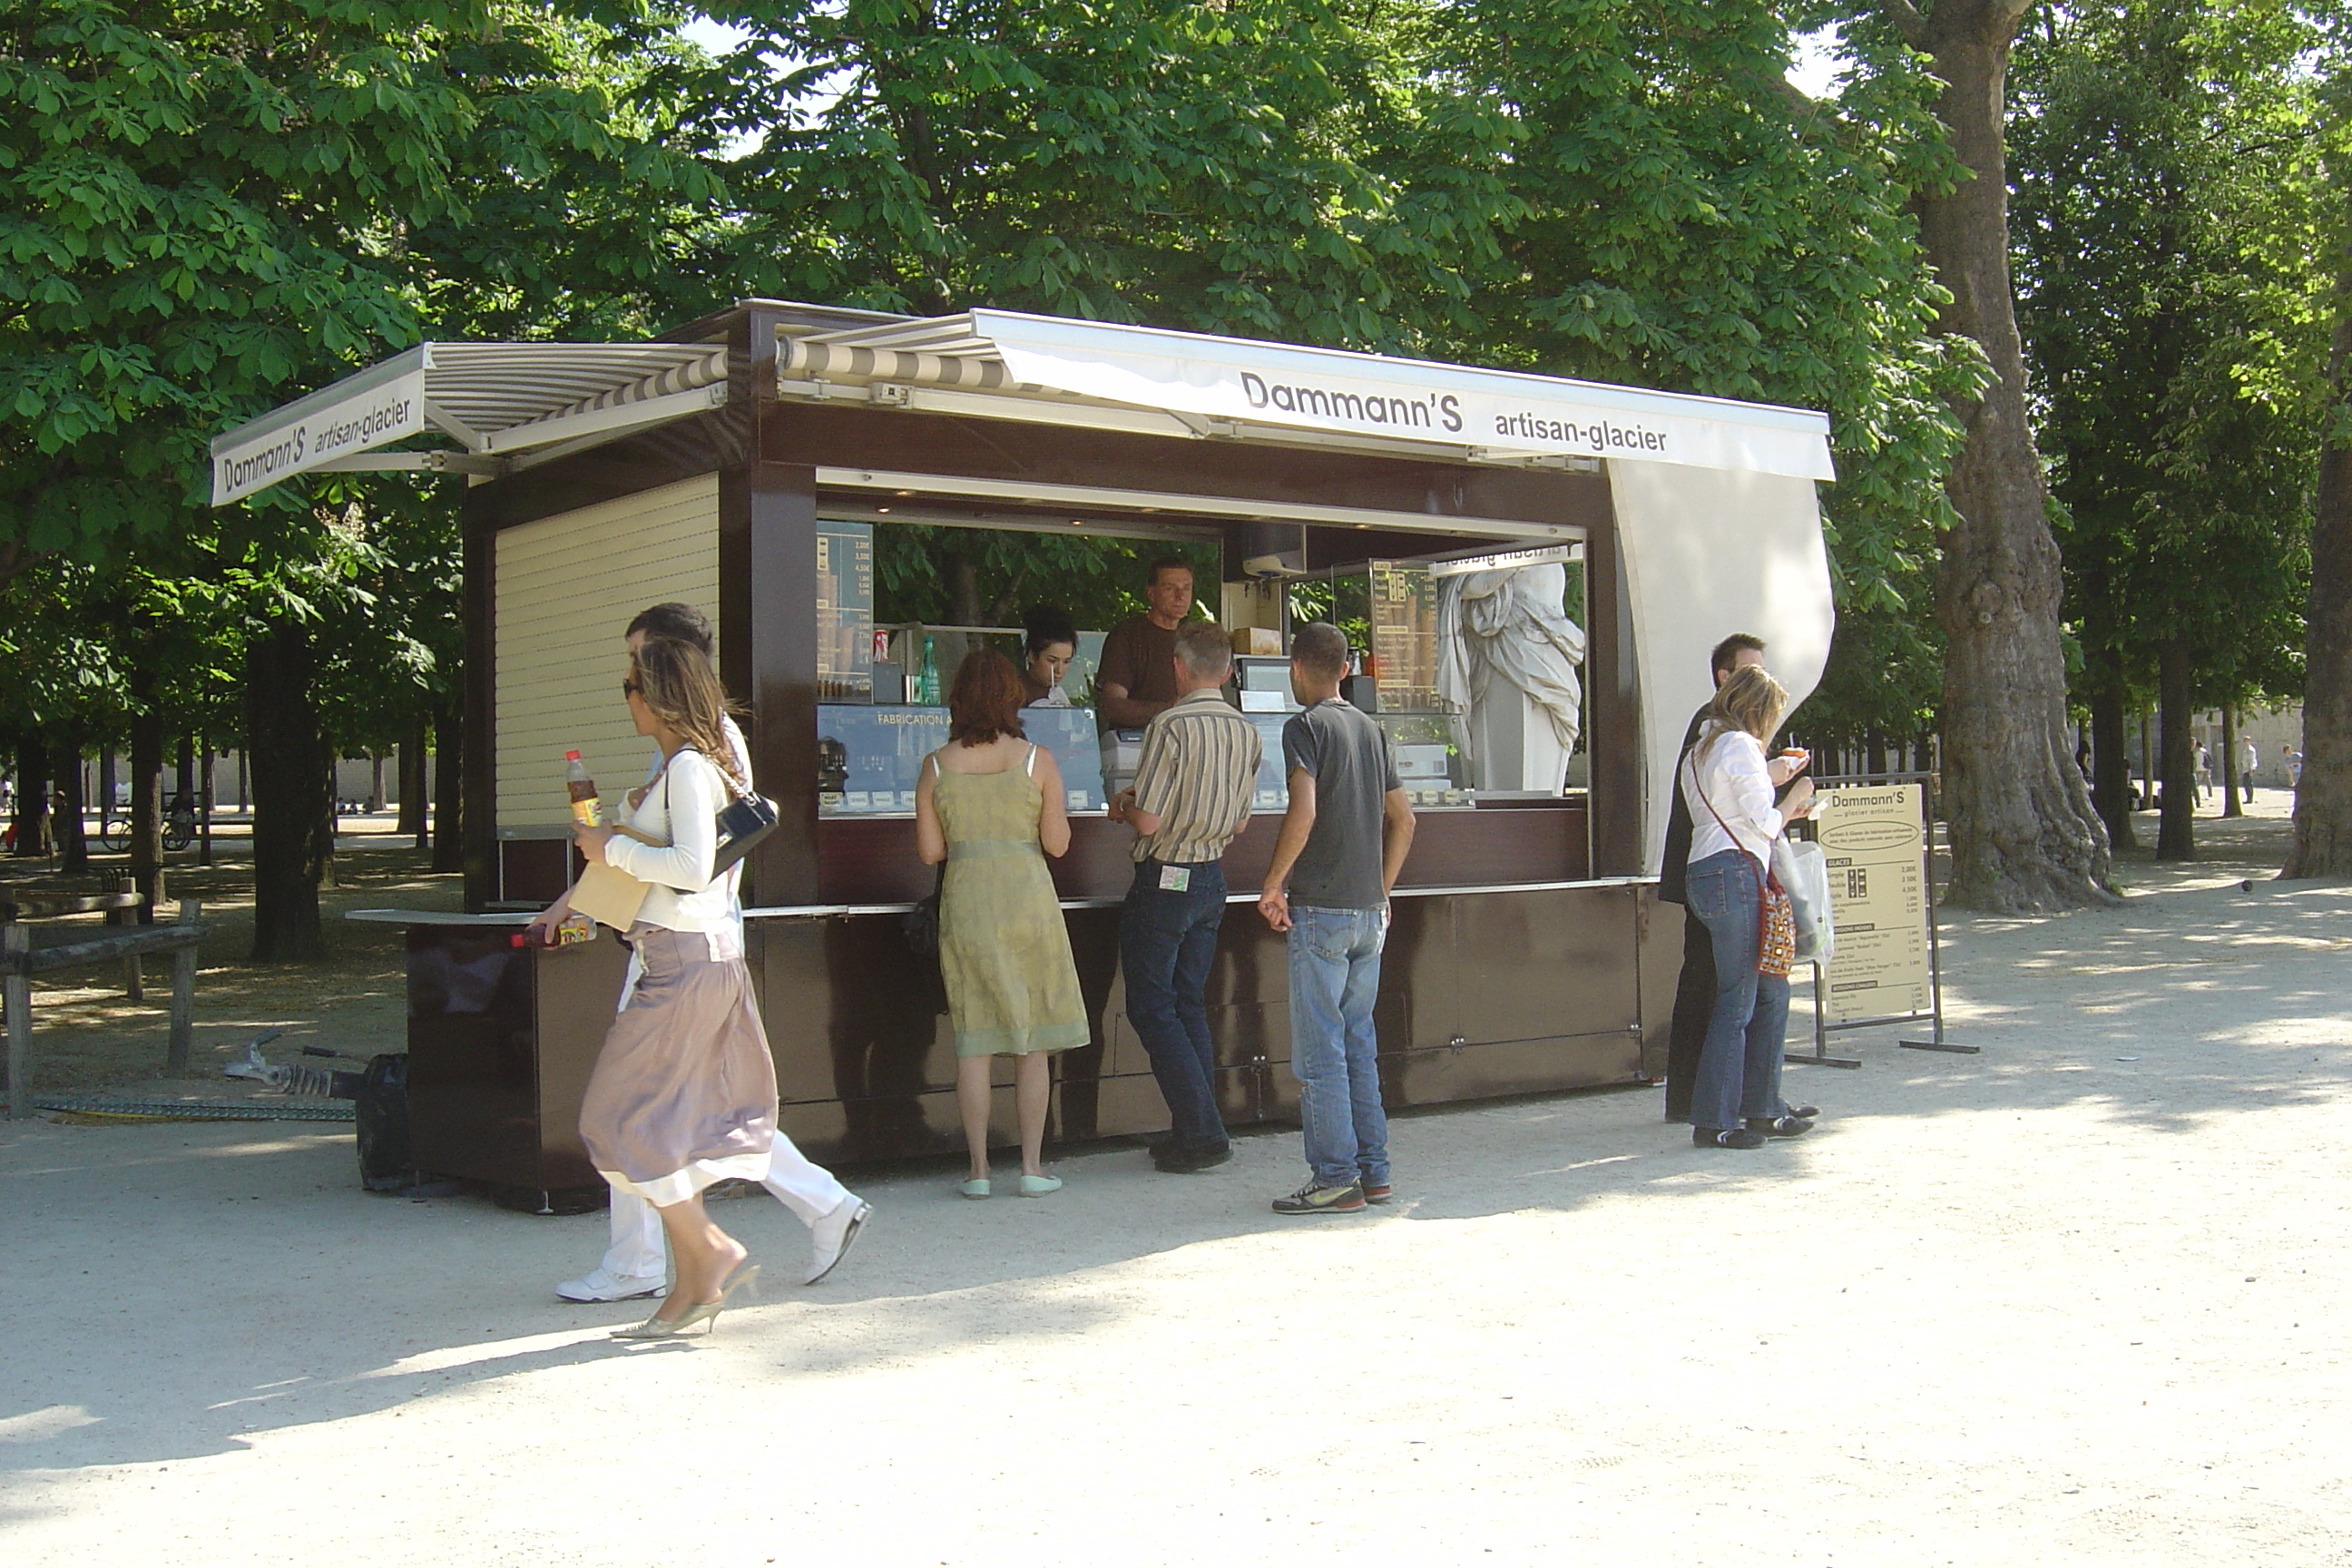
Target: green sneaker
(1314, 1199)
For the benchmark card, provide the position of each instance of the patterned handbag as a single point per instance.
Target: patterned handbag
(1779, 952)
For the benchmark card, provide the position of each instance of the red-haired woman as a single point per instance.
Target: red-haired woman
(990, 804)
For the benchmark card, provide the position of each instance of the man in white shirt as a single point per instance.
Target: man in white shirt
(2249, 759)
(637, 1262)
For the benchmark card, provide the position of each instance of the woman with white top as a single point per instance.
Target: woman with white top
(1729, 786)
(684, 1094)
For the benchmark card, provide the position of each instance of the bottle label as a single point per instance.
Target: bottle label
(583, 812)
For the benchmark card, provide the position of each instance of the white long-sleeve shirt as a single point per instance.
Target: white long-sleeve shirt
(1729, 772)
(680, 813)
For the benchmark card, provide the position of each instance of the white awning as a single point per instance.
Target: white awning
(492, 399)
(1238, 387)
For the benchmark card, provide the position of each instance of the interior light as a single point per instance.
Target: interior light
(882, 509)
(1077, 522)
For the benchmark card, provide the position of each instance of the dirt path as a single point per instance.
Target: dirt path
(2081, 1299)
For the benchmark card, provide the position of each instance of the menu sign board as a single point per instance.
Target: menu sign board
(1403, 617)
(844, 611)
(1872, 836)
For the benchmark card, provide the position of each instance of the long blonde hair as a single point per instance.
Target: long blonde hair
(1749, 700)
(675, 680)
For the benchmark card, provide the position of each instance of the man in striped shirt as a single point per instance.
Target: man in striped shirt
(1193, 784)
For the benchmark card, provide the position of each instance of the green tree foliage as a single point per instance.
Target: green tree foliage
(208, 208)
(1285, 168)
(2167, 219)
(1696, 224)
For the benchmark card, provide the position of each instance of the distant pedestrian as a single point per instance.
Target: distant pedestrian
(2204, 772)
(990, 804)
(1343, 841)
(2294, 768)
(1193, 785)
(2249, 759)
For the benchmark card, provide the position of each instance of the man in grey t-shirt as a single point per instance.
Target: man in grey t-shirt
(1343, 841)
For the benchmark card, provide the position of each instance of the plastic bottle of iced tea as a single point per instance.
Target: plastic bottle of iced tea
(583, 790)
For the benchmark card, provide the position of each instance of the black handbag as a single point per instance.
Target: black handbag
(920, 925)
(743, 824)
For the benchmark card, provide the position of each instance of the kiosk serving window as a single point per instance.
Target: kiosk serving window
(1469, 660)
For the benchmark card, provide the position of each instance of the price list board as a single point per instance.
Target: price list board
(1403, 624)
(844, 611)
(1872, 836)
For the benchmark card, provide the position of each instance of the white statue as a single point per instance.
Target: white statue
(1506, 658)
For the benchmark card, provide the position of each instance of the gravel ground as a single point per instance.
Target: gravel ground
(2078, 1298)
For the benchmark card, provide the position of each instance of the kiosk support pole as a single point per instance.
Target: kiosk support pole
(1935, 1040)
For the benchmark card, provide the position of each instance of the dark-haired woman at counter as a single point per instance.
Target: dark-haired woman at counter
(990, 804)
(1051, 644)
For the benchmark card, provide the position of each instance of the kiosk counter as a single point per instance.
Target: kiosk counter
(1535, 570)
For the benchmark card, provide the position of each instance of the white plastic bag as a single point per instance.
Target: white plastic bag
(1804, 874)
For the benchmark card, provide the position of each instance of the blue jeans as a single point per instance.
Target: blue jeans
(1740, 1064)
(1335, 973)
(1166, 942)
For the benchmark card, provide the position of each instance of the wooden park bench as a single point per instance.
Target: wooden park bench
(20, 961)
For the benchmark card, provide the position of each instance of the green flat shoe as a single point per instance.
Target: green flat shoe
(975, 1188)
(1039, 1186)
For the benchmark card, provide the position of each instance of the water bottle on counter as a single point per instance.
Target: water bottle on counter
(583, 790)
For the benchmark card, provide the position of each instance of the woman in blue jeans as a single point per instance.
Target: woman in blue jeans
(1729, 784)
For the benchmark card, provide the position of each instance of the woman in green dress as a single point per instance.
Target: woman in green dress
(990, 804)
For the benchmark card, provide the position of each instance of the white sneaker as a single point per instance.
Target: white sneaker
(831, 1237)
(601, 1284)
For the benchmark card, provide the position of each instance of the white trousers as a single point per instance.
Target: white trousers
(639, 1250)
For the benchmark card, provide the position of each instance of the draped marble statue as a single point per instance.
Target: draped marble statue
(1506, 658)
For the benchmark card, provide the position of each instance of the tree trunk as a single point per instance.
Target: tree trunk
(2230, 804)
(375, 781)
(2323, 801)
(448, 785)
(413, 783)
(293, 799)
(2024, 838)
(146, 786)
(2176, 830)
(2111, 787)
(185, 769)
(32, 819)
(106, 782)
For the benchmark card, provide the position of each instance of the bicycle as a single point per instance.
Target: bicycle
(179, 825)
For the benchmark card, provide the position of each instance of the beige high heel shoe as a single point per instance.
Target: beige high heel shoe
(660, 1328)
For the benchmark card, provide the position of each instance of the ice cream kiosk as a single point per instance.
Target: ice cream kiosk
(1533, 570)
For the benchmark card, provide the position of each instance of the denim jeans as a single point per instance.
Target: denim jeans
(1335, 974)
(1740, 1064)
(1166, 942)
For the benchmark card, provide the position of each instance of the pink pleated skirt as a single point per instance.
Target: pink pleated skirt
(684, 1094)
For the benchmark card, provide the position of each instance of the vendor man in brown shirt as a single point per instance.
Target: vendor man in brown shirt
(1191, 795)
(1135, 680)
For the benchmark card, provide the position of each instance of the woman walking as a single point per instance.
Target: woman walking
(1735, 1103)
(683, 1093)
(991, 805)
